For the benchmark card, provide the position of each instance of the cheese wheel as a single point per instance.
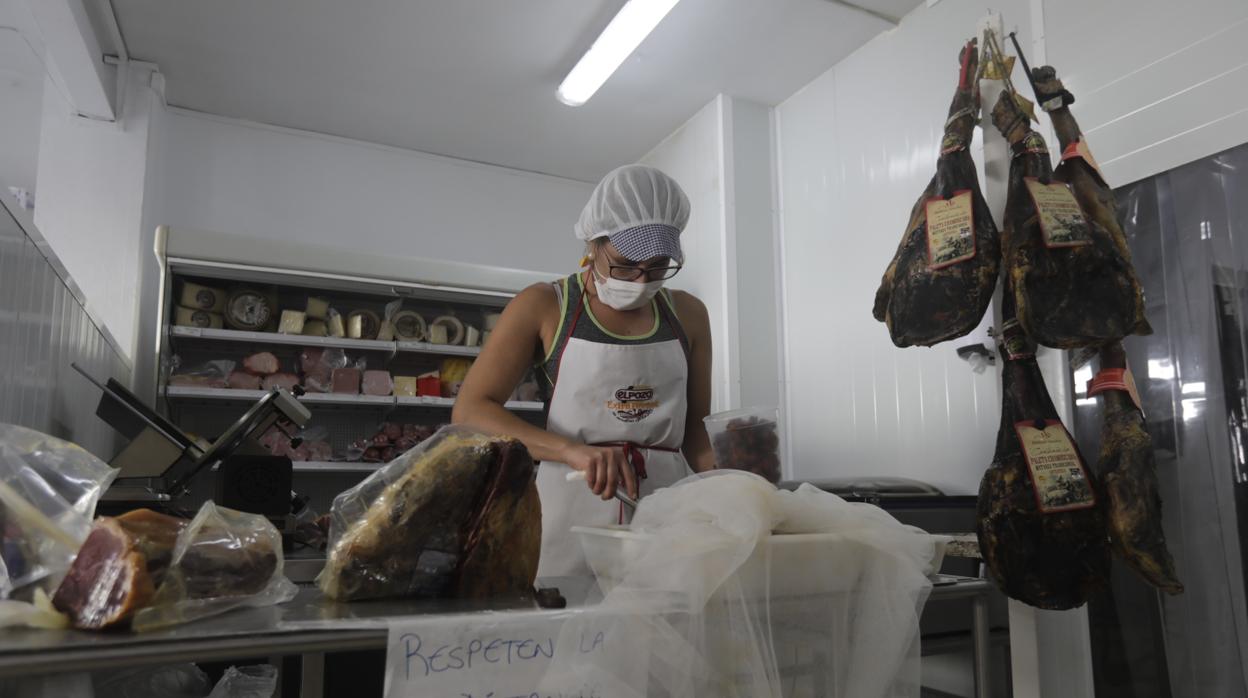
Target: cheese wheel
(318, 308)
(198, 297)
(292, 322)
(369, 324)
(454, 329)
(188, 317)
(335, 325)
(248, 310)
(409, 326)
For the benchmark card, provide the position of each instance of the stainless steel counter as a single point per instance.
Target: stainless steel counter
(312, 625)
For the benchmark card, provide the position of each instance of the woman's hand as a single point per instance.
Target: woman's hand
(605, 469)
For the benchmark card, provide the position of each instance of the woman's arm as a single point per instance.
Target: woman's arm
(494, 376)
(697, 325)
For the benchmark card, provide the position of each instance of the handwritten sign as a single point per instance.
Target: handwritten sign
(504, 656)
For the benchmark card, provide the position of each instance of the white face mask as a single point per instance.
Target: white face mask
(625, 295)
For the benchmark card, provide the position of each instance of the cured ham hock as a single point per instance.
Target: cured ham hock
(1072, 279)
(944, 272)
(458, 517)
(1040, 519)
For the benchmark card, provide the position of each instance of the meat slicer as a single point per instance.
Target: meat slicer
(160, 461)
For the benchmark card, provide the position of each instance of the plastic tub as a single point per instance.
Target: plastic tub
(746, 439)
(791, 565)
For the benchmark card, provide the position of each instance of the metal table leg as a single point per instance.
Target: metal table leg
(312, 675)
(982, 647)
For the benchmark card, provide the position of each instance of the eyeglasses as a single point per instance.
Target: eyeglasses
(634, 271)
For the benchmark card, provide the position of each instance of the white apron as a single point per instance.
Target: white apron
(631, 395)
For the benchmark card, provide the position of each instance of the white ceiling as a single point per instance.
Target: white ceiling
(475, 79)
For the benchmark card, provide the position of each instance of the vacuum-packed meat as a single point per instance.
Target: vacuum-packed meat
(1041, 519)
(281, 380)
(118, 568)
(262, 364)
(943, 275)
(457, 517)
(377, 383)
(1073, 285)
(241, 380)
(346, 380)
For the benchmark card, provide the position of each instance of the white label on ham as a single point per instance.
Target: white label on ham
(1061, 219)
(1057, 473)
(950, 230)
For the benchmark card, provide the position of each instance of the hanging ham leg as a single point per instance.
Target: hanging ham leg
(943, 275)
(1041, 526)
(1127, 471)
(1073, 286)
(1078, 169)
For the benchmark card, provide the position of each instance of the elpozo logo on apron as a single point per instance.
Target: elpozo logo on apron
(633, 404)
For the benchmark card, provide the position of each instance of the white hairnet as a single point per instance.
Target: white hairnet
(632, 196)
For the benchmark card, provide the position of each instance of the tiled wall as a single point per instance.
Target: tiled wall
(43, 328)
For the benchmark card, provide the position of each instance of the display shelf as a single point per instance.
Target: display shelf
(224, 394)
(449, 402)
(312, 466)
(438, 349)
(346, 399)
(229, 394)
(207, 333)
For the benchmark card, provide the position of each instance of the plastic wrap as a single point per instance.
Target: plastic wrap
(223, 560)
(457, 515)
(48, 492)
(173, 681)
(39, 614)
(703, 628)
(256, 681)
(210, 374)
(317, 365)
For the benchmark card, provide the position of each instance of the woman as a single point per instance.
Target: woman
(625, 365)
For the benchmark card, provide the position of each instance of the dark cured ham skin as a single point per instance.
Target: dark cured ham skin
(1127, 470)
(1051, 560)
(1066, 297)
(921, 305)
(1094, 195)
(463, 520)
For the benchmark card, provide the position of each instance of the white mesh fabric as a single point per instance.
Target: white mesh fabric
(631, 196)
(715, 605)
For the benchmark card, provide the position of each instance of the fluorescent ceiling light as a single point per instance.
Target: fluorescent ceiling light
(631, 25)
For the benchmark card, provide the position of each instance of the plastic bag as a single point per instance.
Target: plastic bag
(225, 559)
(317, 365)
(412, 527)
(210, 374)
(48, 492)
(311, 443)
(714, 604)
(174, 681)
(257, 681)
(39, 614)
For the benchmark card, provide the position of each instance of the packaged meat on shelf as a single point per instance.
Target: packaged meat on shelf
(358, 353)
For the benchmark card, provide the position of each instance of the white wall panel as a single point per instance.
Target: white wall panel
(1158, 83)
(90, 186)
(856, 147)
(237, 177)
(694, 156)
